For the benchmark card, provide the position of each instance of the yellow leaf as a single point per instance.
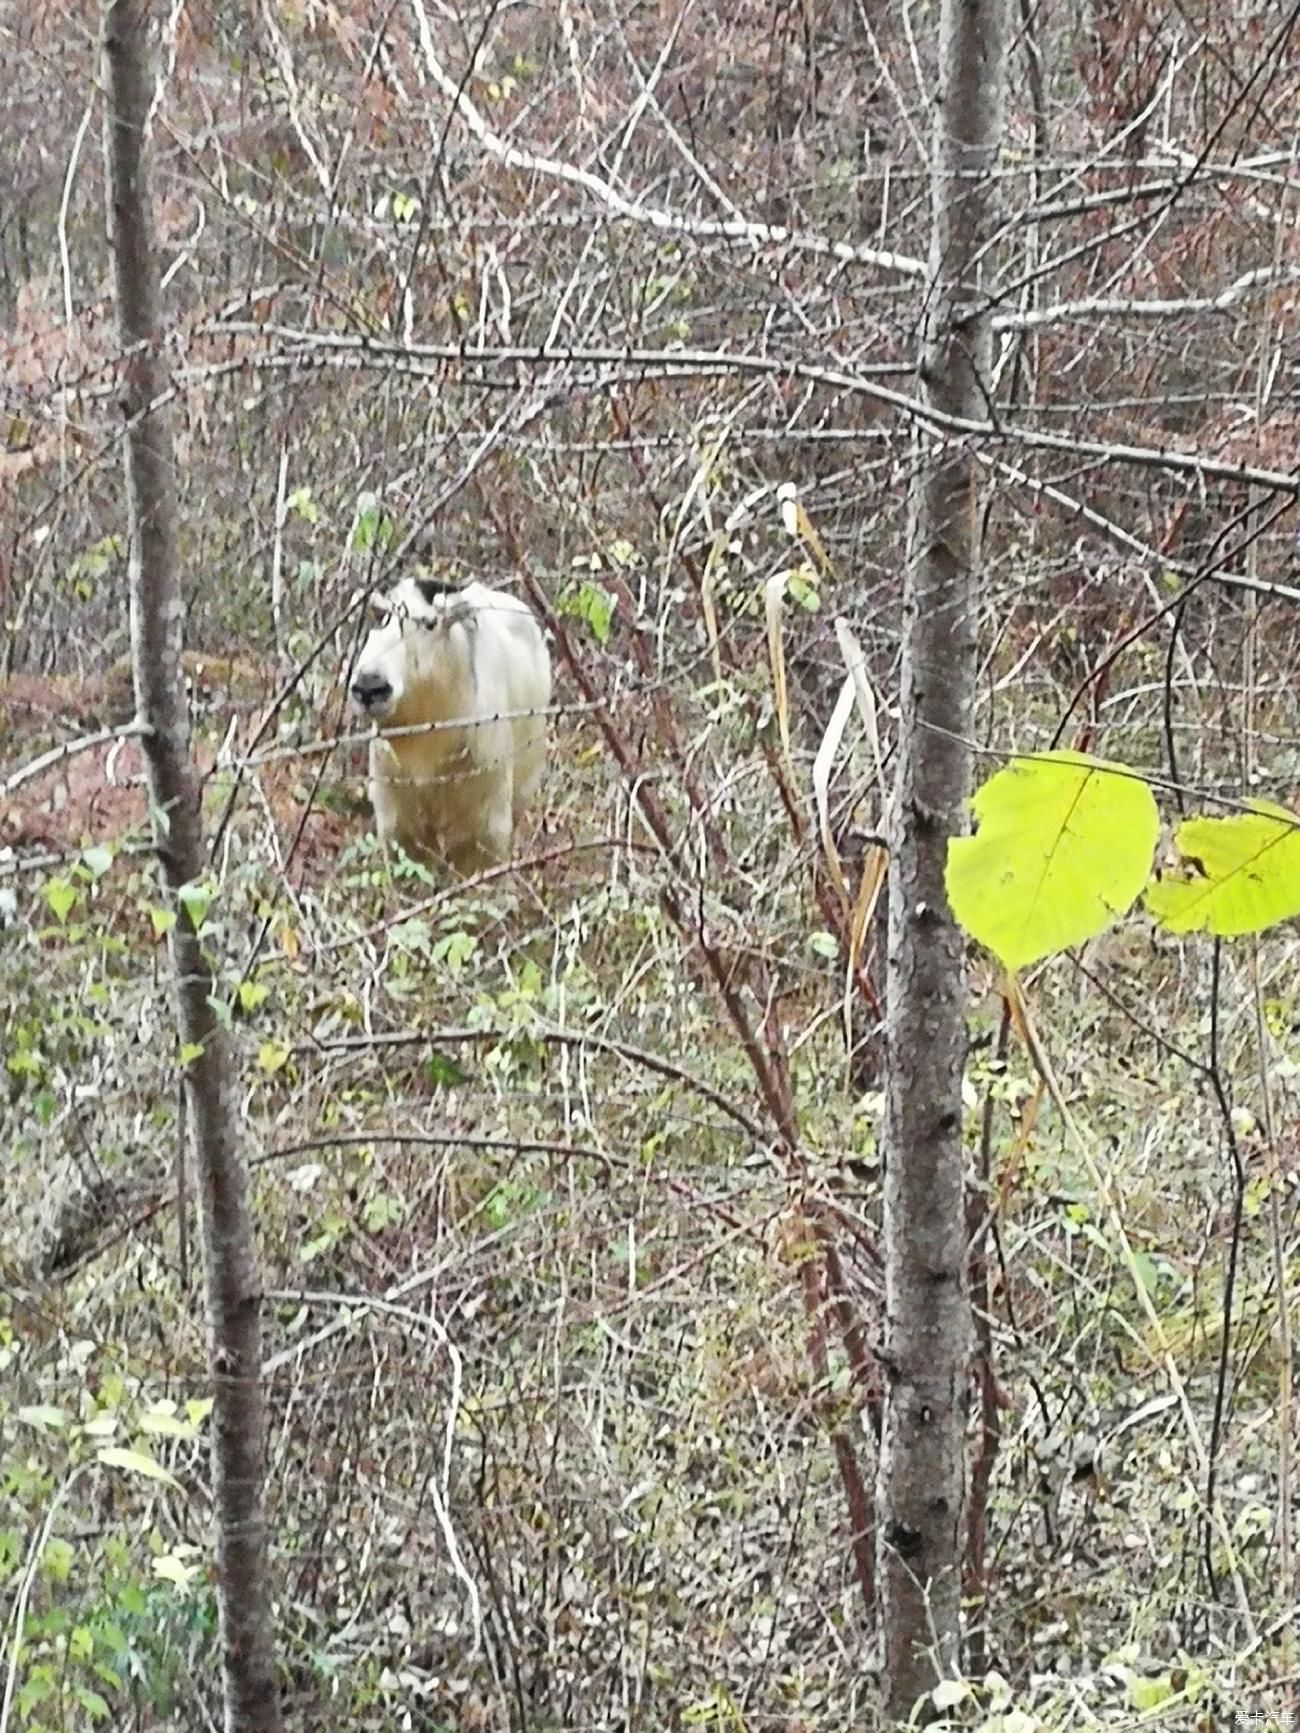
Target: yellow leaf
(136, 1462)
(823, 765)
(773, 602)
(1240, 874)
(1064, 845)
(173, 1569)
(160, 1424)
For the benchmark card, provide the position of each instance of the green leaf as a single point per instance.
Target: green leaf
(252, 994)
(44, 1417)
(37, 1688)
(11, 1551)
(190, 1051)
(593, 605)
(95, 1706)
(1064, 846)
(301, 502)
(196, 900)
(58, 1559)
(382, 1211)
(97, 860)
(370, 527)
(413, 935)
(443, 1072)
(801, 585)
(272, 1056)
(455, 950)
(1145, 1265)
(1240, 874)
(61, 894)
(318, 1245)
(1144, 1694)
(163, 921)
(136, 1462)
(824, 945)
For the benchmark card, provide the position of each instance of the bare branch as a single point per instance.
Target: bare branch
(1100, 307)
(752, 234)
(433, 358)
(69, 749)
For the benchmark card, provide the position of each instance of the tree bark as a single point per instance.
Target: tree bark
(922, 1475)
(232, 1287)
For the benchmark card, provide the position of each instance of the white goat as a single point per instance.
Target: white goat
(464, 658)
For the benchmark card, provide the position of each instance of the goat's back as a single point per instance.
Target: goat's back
(511, 660)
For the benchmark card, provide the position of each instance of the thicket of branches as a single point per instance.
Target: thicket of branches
(567, 1184)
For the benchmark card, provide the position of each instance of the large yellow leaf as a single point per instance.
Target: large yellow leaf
(1064, 846)
(1240, 874)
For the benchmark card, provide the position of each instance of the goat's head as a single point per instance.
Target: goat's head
(405, 650)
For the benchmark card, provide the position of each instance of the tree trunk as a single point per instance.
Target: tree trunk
(234, 1331)
(921, 1484)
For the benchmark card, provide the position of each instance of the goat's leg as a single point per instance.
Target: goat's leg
(490, 844)
(383, 800)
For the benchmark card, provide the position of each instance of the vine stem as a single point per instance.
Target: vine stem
(1026, 1029)
(1268, 365)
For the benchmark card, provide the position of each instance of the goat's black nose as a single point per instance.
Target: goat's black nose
(370, 690)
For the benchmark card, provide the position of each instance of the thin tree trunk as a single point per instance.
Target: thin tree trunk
(922, 1477)
(232, 1288)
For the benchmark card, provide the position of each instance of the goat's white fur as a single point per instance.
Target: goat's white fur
(464, 659)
